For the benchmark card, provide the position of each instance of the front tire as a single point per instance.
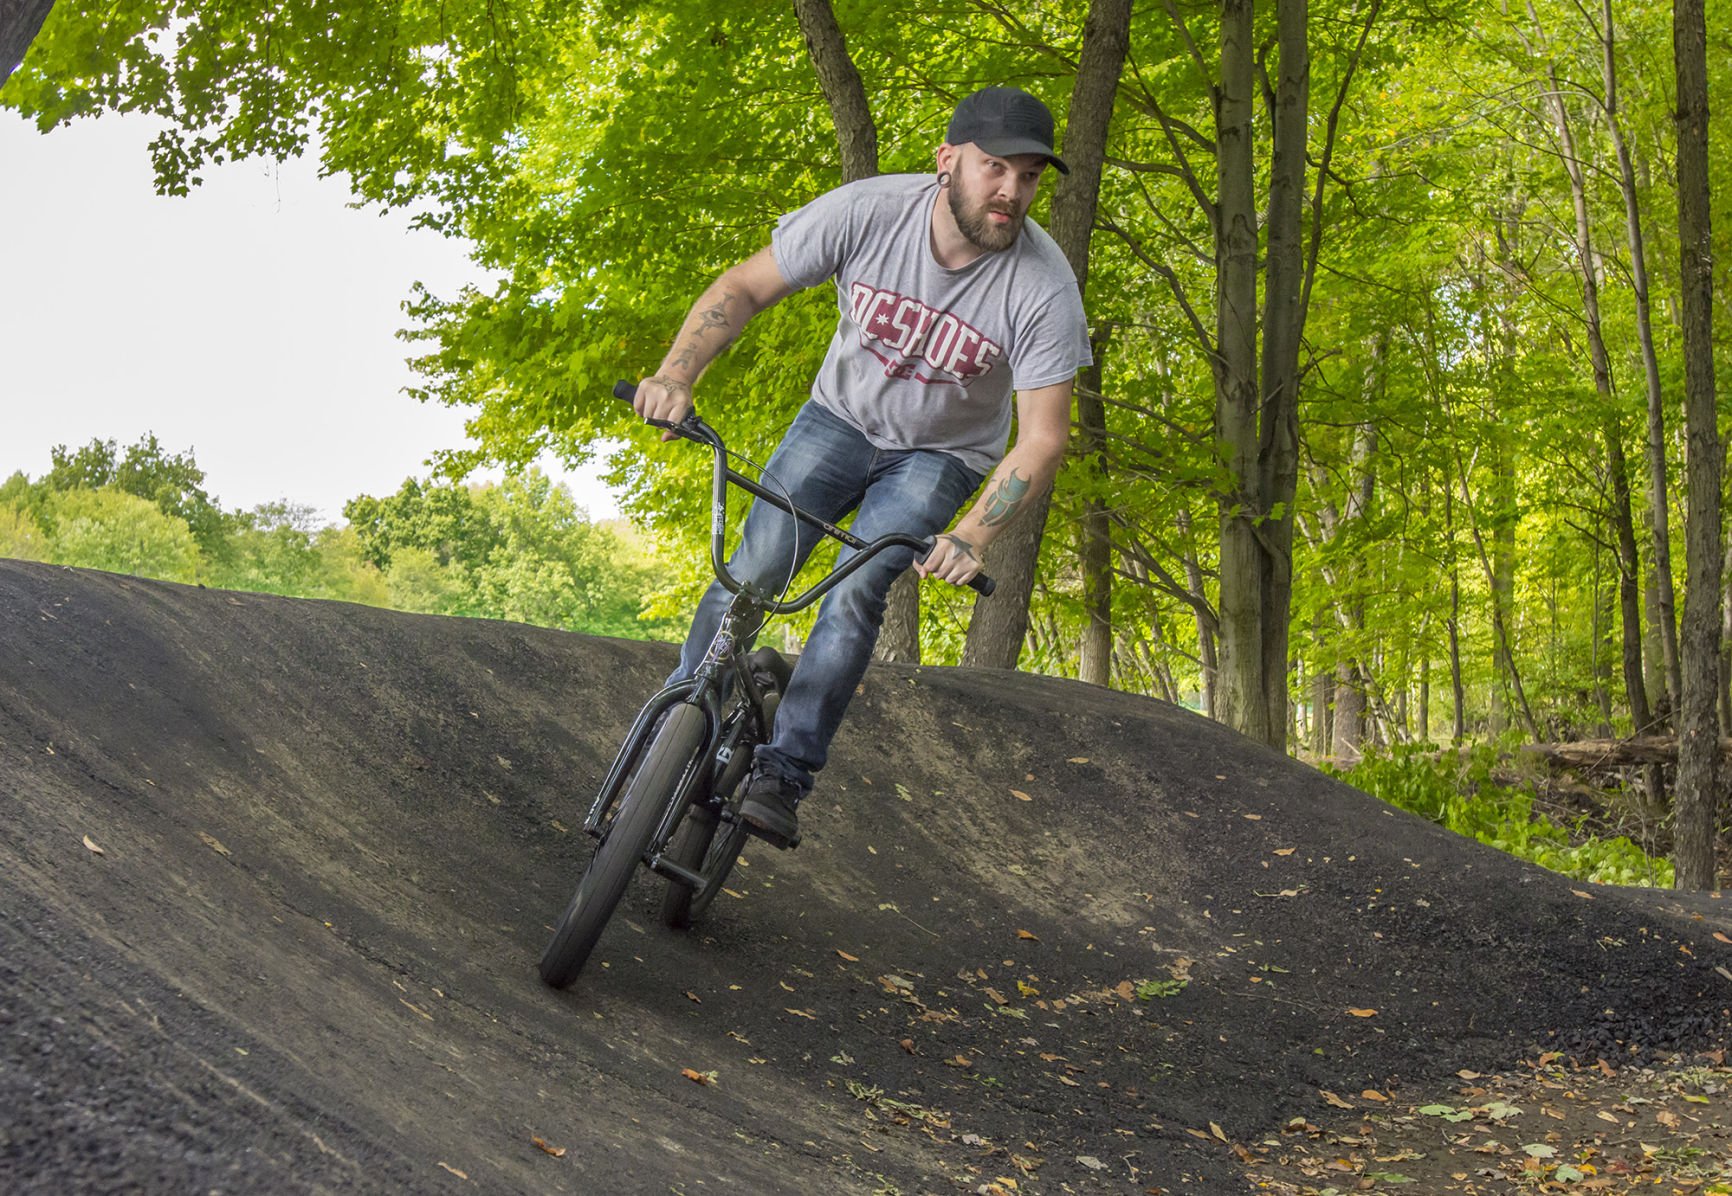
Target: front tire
(636, 815)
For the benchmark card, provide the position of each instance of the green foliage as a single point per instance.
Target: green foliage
(172, 482)
(21, 537)
(1458, 791)
(121, 533)
(518, 550)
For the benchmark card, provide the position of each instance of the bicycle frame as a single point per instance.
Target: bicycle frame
(725, 656)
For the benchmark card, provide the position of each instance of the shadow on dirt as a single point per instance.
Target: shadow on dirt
(274, 876)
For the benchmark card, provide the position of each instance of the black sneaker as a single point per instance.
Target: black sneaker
(768, 808)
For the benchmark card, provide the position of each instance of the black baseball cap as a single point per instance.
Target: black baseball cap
(1005, 121)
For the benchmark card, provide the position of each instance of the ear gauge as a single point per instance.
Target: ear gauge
(944, 178)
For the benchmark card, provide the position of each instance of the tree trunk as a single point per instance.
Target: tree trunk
(856, 132)
(1659, 509)
(1095, 549)
(1698, 727)
(1241, 696)
(20, 22)
(1000, 623)
(1623, 522)
(857, 140)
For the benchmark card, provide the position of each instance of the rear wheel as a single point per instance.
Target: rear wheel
(708, 843)
(708, 846)
(636, 815)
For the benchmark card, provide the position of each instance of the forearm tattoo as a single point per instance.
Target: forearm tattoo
(1003, 500)
(711, 318)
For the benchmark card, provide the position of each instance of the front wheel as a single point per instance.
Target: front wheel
(636, 815)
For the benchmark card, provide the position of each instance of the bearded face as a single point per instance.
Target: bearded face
(990, 222)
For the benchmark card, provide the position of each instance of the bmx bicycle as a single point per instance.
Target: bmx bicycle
(671, 800)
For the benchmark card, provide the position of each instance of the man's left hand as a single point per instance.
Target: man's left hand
(952, 559)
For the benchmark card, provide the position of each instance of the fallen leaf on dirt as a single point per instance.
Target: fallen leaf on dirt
(211, 842)
(1334, 1100)
(959, 1061)
(91, 844)
(1285, 850)
(1217, 1131)
(802, 1013)
(1068, 1082)
(998, 998)
(848, 957)
(1722, 937)
(454, 1171)
(1077, 760)
(694, 998)
(699, 1077)
(1020, 795)
(1582, 895)
(557, 1152)
(417, 1009)
(1373, 1094)
(907, 1044)
(1363, 1012)
(1023, 934)
(1253, 818)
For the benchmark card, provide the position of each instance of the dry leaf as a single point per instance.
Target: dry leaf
(1582, 895)
(91, 844)
(1023, 934)
(960, 1061)
(1332, 1099)
(694, 998)
(211, 842)
(1077, 760)
(848, 957)
(1253, 818)
(1373, 1094)
(1285, 850)
(802, 1013)
(1216, 1130)
(454, 1171)
(698, 1077)
(1363, 1012)
(1722, 938)
(907, 1044)
(557, 1152)
(1068, 1082)
(1020, 795)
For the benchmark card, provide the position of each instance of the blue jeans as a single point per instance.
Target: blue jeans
(829, 469)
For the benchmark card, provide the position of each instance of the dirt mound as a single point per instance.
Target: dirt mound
(274, 876)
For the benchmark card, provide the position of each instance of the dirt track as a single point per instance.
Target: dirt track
(274, 876)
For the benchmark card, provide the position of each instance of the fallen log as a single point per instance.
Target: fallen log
(1616, 753)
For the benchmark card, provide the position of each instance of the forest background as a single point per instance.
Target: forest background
(1402, 315)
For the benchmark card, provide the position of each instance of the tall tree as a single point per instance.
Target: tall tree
(1000, 623)
(1699, 653)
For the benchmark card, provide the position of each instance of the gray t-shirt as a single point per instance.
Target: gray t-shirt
(926, 357)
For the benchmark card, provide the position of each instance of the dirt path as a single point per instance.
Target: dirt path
(274, 876)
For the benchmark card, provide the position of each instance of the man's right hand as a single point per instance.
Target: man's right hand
(664, 398)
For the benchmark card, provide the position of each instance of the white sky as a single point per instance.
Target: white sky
(251, 322)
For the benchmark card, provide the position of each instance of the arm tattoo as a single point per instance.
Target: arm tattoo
(1003, 501)
(710, 318)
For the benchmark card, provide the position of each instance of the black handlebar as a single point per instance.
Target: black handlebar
(694, 429)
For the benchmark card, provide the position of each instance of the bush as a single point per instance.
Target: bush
(1458, 792)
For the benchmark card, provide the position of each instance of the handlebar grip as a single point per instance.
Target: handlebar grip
(980, 583)
(625, 391)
